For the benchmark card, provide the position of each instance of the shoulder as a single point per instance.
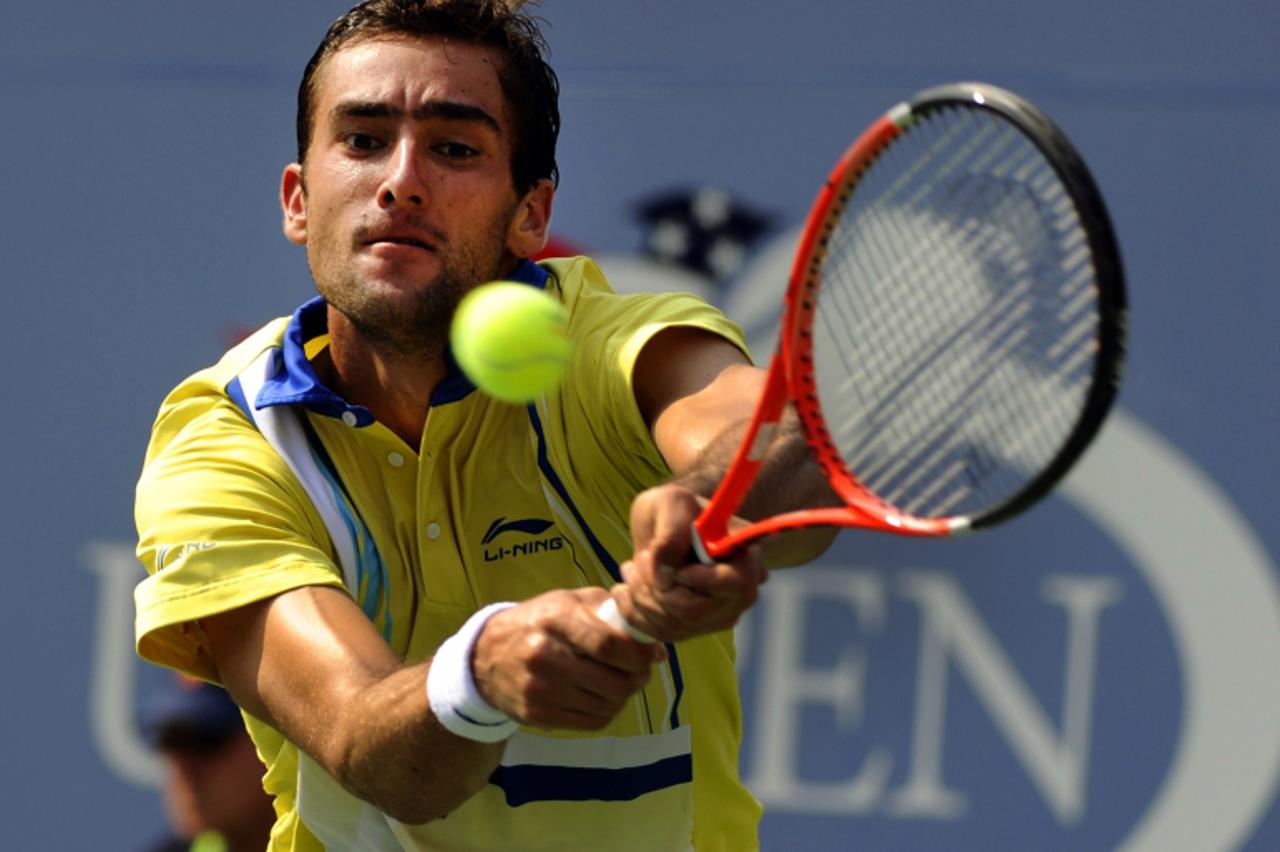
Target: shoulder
(625, 323)
(206, 459)
(202, 406)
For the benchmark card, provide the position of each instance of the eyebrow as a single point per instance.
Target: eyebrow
(448, 110)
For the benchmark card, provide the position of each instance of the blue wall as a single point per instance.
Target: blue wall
(1102, 673)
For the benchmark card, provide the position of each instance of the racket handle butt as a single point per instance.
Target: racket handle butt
(608, 613)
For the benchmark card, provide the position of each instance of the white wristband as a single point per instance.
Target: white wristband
(451, 686)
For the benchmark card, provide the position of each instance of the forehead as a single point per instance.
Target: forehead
(409, 71)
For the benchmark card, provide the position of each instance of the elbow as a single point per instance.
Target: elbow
(409, 793)
(427, 806)
(417, 812)
(411, 803)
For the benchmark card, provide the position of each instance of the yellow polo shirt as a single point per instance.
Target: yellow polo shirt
(497, 502)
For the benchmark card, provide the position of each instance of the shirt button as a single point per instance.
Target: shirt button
(349, 418)
(433, 531)
(395, 459)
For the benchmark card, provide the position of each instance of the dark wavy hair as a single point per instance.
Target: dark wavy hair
(528, 82)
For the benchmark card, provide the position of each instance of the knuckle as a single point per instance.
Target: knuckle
(537, 646)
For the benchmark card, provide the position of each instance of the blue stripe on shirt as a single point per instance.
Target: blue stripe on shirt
(530, 783)
(606, 559)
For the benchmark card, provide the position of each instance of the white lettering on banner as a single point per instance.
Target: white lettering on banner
(787, 685)
(112, 708)
(950, 630)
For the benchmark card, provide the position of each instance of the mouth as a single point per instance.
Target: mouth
(402, 241)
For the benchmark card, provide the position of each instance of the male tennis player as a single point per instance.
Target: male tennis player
(397, 576)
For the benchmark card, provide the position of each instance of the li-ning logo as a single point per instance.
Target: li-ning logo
(528, 526)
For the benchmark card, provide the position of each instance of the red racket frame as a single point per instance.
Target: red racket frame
(791, 371)
(791, 377)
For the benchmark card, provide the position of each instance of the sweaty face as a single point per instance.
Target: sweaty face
(406, 194)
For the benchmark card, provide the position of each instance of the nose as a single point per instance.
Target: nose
(404, 184)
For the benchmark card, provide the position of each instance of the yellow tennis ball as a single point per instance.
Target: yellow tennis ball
(511, 340)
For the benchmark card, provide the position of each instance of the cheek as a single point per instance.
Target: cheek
(329, 224)
(334, 190)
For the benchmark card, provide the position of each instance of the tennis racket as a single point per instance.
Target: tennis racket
(953, 330)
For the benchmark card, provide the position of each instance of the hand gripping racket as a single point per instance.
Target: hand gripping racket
(953, 331)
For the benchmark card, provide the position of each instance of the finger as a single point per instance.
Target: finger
(559, 686)
(665, 576)
(643, 509)
(643, 569)
(641, 613)
(680, 612)
(661, 525)
(747, 571)
(627, 616)
(671, 542)
(591, 637)
(570, 716)
(608, 688)
(686, 610)
(536, 655)
(577, 682)
(707, 598)
(643, 519)
(560, 709)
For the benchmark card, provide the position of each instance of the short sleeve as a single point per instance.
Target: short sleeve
(222, 523)
(613, 453)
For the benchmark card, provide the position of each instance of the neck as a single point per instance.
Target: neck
(395, 387)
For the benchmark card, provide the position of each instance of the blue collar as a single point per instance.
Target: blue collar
(296, 382)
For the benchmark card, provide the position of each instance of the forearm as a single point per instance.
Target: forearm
(395, 754)
(310, 664)
(418, 741)
(788, 480)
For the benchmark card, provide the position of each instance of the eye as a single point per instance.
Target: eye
(456, 150)
(362, 142)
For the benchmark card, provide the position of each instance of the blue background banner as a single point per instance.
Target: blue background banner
(1100, 674)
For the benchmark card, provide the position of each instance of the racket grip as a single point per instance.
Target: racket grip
(608, 613)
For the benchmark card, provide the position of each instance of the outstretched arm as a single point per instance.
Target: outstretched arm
(697, 392)
(309, 663)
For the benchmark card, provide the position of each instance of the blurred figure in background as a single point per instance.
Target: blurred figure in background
(212, 784)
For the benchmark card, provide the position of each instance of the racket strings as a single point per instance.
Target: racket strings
(922, 257)
(957, 317)
(892, 254)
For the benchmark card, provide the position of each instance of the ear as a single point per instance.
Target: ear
(530, 227)
(293, 203)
